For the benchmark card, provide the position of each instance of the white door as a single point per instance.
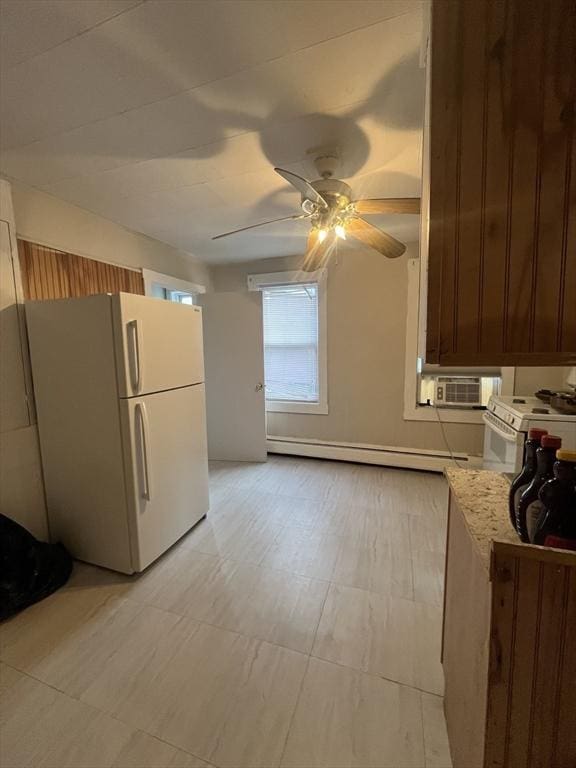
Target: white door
(158, 344)
(167, 468)
(13, 401)
(234, 361)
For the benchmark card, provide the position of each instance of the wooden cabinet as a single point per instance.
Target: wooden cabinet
(502, 229)
(509, 637)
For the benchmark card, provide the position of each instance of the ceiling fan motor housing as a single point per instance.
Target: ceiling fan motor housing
(336, 193)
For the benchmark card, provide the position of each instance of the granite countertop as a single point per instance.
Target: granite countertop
(482, 497)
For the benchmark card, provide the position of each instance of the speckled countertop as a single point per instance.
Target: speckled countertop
(482, 497)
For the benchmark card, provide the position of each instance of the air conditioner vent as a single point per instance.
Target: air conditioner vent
(458, 390)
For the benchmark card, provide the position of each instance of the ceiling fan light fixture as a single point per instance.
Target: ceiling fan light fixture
(328, 204)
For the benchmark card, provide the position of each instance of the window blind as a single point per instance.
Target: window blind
(291, 342)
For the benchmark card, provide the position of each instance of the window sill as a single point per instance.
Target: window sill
(445, 415)
(288, 406)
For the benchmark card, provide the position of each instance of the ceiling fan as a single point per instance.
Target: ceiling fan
(329, 206)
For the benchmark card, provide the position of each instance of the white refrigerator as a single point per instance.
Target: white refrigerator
(119, 388)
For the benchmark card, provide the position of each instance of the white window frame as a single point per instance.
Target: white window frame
(320, 277)
(416, 334)
(169, 283)
(179, 296)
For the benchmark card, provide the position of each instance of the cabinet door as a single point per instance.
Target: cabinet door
(502, 243)
(465, 642)
(13, 401)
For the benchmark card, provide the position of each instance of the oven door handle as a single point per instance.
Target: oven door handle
(501, 429)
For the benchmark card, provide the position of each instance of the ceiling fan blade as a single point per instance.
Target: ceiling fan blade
(388, 205)
(304, 187)
(262, 224)
(375, 238)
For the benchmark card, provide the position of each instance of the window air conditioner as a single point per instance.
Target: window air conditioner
(458, 391)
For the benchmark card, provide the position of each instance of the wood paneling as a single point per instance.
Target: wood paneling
(531, 696)
(51, 274)
(502, 243)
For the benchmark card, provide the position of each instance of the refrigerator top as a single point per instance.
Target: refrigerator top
(156, 345)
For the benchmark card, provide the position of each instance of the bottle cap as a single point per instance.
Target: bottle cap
(536, 434)
(551, 441)
(563, 454)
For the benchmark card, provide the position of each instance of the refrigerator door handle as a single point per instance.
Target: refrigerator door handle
(144, 442)
(134, 353)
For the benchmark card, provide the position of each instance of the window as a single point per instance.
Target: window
(294, 319)
(456, 387)
(291, 342)
(180, 297)
(170, 288)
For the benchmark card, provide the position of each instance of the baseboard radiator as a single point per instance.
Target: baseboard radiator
(385, 456)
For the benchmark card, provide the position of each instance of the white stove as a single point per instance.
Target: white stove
(520, 412)
(507, 421)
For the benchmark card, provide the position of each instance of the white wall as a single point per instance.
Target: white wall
(529, 380)
(49, 221)
(367, 302)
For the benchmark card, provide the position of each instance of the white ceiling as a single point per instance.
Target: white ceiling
(167, 116)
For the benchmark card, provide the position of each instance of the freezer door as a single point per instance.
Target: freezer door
(158, 344)
(167, 468)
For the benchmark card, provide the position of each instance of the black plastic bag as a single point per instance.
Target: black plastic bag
(30, 570)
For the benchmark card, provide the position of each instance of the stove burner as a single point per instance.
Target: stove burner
(540, 410)
(519, 400)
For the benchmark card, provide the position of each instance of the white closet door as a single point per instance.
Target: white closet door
(13, 402)
(234, 362)
(165, 443)
(158, 344)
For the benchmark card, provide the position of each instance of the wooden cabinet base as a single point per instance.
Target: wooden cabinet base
(509, 652)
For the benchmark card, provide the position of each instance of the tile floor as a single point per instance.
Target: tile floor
(297, 626)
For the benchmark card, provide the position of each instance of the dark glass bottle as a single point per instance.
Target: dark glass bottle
(530, 507)
(524, 477)
(557, 524)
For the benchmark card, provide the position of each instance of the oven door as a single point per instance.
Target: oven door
(503, 445)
